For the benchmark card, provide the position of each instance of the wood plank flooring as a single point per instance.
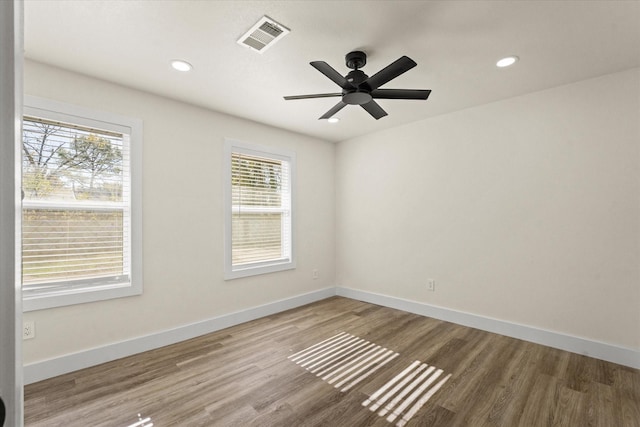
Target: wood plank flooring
(244, 376)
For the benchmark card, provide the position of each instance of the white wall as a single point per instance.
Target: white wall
(525, 210)
(183, 223)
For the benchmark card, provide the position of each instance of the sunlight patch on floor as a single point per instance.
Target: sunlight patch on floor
(407, 392)
(343, 360)
(142, 422)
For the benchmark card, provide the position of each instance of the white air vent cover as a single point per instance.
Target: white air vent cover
(263, 35)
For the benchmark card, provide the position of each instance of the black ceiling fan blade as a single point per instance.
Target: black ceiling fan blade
(339, 106)
(374, 109)
(421, 94)
(317, 95)
(390, 72)
(328, 71)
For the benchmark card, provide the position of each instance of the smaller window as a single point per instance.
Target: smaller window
(258, 209)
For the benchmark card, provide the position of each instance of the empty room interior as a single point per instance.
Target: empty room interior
(319, 213)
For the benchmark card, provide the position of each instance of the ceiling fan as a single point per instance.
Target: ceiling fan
(360, 89)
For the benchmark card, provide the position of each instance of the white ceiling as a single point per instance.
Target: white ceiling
(455, 43)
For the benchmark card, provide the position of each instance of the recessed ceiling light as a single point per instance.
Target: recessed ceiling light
(333, 120)
(180, 65)
(505, 62)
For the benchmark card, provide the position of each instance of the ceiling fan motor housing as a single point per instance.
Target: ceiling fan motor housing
(360, 94)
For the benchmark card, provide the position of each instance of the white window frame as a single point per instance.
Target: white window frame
(234, 146)
(82, 292)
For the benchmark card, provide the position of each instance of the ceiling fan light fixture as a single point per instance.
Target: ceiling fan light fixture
(180, 65)
(333, 119)
(507, 61)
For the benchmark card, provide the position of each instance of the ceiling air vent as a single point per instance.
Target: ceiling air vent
(263, 35)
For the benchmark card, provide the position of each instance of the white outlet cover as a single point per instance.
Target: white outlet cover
(28, 330)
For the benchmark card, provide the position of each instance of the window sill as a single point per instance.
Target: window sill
(61, 298)
(257, 270)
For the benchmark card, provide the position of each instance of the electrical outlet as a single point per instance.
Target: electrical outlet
(315, 274)
(431, 285)
(28, 330)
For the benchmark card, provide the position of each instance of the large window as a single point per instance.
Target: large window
(258, 209)
(81, 205)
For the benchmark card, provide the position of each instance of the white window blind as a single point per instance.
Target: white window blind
(81, 207)
(63, 245)
(260, 220)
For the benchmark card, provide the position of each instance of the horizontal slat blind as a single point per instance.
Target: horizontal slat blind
(64, 244)
(76, 215)
(261, 210)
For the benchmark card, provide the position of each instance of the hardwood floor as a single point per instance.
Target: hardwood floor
(277, 371)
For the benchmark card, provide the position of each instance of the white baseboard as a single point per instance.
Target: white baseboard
(38, 371)
(599, 350)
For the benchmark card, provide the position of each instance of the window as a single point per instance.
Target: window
(258, 209)
(81, 208)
